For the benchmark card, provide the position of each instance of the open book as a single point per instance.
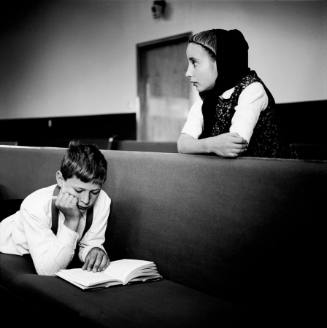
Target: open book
(120, 272)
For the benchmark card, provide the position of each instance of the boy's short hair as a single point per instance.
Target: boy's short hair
(84, 161)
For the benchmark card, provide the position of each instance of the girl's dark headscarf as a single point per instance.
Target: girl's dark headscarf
(230, 50)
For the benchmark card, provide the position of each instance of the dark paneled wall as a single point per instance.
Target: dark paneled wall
(304, 122)
(303, 128)
(57, 131)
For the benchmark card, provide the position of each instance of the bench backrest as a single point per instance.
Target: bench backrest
(225, 227)
(144, 146)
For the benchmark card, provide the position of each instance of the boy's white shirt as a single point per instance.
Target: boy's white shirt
(252, 100)
(28, 231)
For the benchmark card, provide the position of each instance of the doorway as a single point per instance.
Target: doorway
(163, 89)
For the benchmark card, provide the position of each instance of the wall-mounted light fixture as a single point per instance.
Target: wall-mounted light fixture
(158, 8)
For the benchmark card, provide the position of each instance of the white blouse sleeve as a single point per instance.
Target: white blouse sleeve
(194, 122)
(252, 100)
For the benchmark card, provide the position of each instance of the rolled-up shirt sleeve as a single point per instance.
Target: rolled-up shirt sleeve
(251, 102)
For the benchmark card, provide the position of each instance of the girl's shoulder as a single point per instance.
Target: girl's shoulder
(253, 93)
(248, 79)
(254, 89)
(250, 87)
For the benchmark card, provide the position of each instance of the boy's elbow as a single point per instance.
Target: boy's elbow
(45, 270)
(49, 265)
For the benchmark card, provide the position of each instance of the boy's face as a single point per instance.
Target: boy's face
(85, 192)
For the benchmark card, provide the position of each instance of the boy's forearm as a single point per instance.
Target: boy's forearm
(49, 252)
(95, 237)
(72, 222)
(56, 254)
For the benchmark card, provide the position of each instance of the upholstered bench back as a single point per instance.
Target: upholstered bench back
(235, 228)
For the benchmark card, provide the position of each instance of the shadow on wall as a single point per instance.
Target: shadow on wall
(14, 13)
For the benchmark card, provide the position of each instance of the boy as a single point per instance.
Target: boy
(52, 220)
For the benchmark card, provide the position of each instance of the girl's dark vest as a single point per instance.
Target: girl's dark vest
(265, 138)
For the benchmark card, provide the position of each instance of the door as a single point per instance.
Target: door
(163, 89)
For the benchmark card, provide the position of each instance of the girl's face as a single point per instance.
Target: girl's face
(202, 68)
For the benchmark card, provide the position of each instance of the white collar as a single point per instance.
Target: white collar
(227, 94)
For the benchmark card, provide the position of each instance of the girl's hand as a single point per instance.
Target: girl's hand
(96, 260)
(227, 144)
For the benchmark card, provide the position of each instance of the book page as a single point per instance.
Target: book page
(84, 277)
(125, 269)
(118, 272)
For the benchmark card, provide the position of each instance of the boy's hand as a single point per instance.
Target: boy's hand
(67, 202)
(96, 260)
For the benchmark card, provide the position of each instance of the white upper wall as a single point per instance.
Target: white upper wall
(79, 57)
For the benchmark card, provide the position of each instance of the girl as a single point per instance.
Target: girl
(235, 113)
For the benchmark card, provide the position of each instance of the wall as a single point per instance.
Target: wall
(78, 57)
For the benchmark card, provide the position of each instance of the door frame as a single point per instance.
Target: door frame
(141, 48)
